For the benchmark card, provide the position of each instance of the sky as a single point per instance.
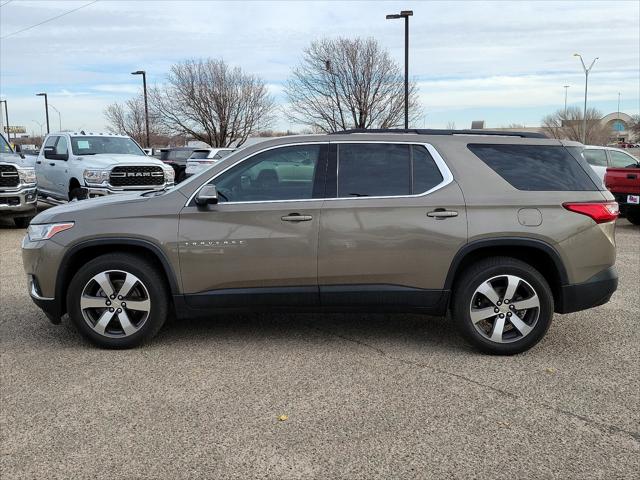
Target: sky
(503, 62)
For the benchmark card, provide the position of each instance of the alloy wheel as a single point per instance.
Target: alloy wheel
(115, 303)
(504, 308)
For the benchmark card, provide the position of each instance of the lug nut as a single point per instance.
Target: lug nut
(119, 297)
(502, 315)
(112, 297)
(496, 309)
(506, 301)
(509, 314)
(123, 304)
(119, 310)
(108, 303)
(111, 310)
(499, 302)
(512, 307)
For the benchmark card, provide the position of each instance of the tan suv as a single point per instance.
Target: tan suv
(501, 229)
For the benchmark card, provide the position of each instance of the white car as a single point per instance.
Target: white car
(602, 157)
(204, 158)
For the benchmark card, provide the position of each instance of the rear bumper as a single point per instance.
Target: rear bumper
(592, 293)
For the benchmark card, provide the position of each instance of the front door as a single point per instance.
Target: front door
(259, 244)
(392, 231)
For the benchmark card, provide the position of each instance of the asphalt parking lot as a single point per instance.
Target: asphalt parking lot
(366, 396)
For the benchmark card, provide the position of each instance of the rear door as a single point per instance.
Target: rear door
(390, 234)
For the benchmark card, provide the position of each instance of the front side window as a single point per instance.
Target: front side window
(596, 158)
(379, 170)
(95, 145)
(51, 141)
(621, 160)
(4, 146)
(61, 147)
(285, 173)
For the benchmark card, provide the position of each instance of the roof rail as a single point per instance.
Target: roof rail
(421, 131)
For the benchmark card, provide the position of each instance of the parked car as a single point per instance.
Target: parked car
(204, 158)
(624, 183)
(602, 157)
(18, 194)
(502, 229)
(75, 166)
(177, 158)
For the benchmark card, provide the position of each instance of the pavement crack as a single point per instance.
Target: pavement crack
(600, 425)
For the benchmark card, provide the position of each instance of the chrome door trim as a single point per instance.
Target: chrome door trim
(447, 176)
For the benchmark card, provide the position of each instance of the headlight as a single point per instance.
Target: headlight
(47, 230)
(169, 175)
(27, 175)
(96, 176)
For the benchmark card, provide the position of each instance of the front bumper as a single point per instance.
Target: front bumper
(592, 293)
(101, 191)
(21, 201)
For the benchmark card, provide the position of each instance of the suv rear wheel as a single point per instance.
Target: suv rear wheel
(118, 300)
(502, 305)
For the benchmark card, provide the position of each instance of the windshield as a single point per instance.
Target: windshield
(199, 154)
(97, 145)
(4, 146)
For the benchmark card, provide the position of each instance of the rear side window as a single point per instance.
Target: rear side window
(597, 158)
(536, 167)
(379, 170)
(622, 160)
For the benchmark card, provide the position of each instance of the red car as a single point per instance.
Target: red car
(624, 183)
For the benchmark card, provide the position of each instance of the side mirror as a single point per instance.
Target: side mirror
(208, 195)
(50, 153)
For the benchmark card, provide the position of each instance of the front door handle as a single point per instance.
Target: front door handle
(38, 162)
(441, 213)
(296, 217)
(52, 164)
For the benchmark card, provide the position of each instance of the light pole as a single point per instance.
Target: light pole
(46, 107)
(586, 83)
(6, 113)
(59, 117)
(405, 14)
(566, 87)
(619, 105)
(146, 108)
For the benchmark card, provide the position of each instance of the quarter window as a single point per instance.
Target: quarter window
(621, 160)
(426, 173)
(285, 173)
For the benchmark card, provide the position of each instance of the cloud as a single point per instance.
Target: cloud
(118, 88)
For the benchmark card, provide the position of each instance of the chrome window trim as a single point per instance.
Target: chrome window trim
(447, 176)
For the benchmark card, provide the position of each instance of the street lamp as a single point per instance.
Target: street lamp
(586, 81)
(6, 113)
(405, 14)
(40, 124)
(46, 107)
(146, 108)
(566, 87)
(59, 117)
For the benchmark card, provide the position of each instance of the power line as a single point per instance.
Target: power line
(49, 19)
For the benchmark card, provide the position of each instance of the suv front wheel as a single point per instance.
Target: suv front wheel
(118, 300)
(502, 305)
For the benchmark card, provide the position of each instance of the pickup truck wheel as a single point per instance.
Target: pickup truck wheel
(502, 305)
(78, 194)
(633, 215)
(22, 222)
(118, 301)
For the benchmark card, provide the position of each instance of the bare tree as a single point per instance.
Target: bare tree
(451, 125)
(344, 83)
(634, 127)
(569, 126)
(212, 102)
(128, 119)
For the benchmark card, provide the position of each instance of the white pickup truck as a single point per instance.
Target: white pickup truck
(75, 166)
(17, 186)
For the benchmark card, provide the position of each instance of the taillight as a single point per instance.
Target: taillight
(600, 212)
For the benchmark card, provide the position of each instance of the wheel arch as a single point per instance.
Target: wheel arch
(80, 253)
(537, 253)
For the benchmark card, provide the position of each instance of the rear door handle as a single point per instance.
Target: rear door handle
(296, 217)
(52, 164)
(38, 162)
(441, 213)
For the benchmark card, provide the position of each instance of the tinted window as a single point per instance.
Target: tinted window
(285, 173)
(426, 174)
(366, 170)
(536, 167)
(96, 145)
(621, 160)
(175, 154)
(597, 158)
(51, 141)
(199, 154)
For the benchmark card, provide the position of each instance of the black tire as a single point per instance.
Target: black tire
(78, 193)
(152, 279)
(465, 291)
(633, 215)
(22, 222)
